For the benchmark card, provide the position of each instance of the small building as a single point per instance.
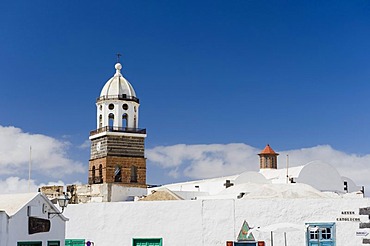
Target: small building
(30, 219)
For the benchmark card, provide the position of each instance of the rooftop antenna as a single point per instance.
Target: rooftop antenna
(29, 170)
(118, 57)
(287, 169)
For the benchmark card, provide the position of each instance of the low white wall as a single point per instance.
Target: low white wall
(208, 222)
(117, 223)
(107, 193)
(122, 193)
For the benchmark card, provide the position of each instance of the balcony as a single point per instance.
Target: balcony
(118, 97)
(118, 129)
(96, 180)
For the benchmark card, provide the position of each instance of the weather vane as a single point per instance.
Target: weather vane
(118, 57)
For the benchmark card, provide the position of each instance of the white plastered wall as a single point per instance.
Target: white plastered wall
(118, 112)
(3, 228)
(209, 222)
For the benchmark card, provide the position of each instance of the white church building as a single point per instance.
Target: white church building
(309, 205)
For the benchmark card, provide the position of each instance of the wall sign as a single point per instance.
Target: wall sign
(362, 233)
(37, 225)
(348, 212)
(348, 219)
(244, 234)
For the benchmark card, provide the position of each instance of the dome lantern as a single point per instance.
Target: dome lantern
(117, 106)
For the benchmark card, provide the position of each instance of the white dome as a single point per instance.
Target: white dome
(117, 86)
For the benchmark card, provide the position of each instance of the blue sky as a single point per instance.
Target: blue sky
(294, 74)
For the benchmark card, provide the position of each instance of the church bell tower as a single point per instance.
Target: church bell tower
(117, 144)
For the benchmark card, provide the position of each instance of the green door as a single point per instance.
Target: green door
(147, 242)
(75, 242)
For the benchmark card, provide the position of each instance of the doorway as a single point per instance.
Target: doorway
(147, 242)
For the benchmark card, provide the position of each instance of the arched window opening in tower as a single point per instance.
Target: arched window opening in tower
(100, 121)
(93, 175)
(135, 121)
(133, 174)
(124, 120)
(118, 174)
(101, 173)
(111, 121)
(125, 106)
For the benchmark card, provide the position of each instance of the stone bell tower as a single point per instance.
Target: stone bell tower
(117, 144)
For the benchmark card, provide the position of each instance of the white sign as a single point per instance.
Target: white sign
(362, 233)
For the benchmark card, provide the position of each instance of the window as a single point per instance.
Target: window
(93, 174)
(53, 243)
(320, 233)
(101, 173)
(124, 120)
(125, 106)
(118, 174)
(111, 106)
(100, 121)
(111, 120)
(326, 233)
(313, 235)
(133, 174)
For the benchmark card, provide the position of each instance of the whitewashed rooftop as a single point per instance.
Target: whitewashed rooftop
(313, 180)
(12, 203)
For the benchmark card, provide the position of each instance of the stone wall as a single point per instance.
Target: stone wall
(117, 146)
(103, 193)
(52, 191)
(109, 164)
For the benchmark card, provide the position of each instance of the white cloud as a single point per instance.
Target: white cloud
(204, 161)
(213, 160)
(174, 173)
(353, 166)
(85, 145)
(49, 155)
(18, 185)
